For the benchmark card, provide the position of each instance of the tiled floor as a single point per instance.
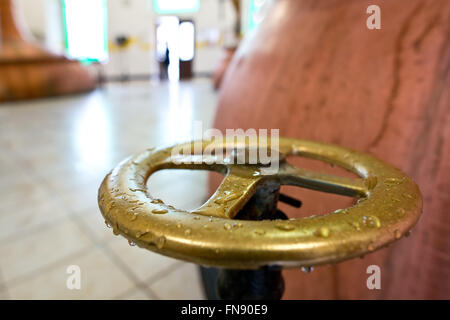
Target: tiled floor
(53, 156)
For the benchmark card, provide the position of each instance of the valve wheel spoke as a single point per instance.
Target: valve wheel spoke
(291, 175)
(232, 194)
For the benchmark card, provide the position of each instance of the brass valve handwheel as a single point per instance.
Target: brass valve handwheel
(391, 206)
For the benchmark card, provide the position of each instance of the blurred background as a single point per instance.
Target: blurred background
(86, 83)
(128, 75)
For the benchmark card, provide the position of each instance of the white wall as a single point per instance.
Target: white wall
(136, 19)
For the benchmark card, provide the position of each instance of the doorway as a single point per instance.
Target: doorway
(175, 47)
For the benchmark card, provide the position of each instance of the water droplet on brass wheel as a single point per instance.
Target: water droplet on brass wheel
(285, 226)
(259, 232)
(307, 269)
(160, 242)
(159, 211)
(323, 232)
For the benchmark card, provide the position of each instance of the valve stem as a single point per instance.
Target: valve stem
(289, 200)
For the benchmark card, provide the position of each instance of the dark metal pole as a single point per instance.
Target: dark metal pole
(266, 282)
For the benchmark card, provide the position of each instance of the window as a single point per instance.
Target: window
(85, 29)
(257, 13)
